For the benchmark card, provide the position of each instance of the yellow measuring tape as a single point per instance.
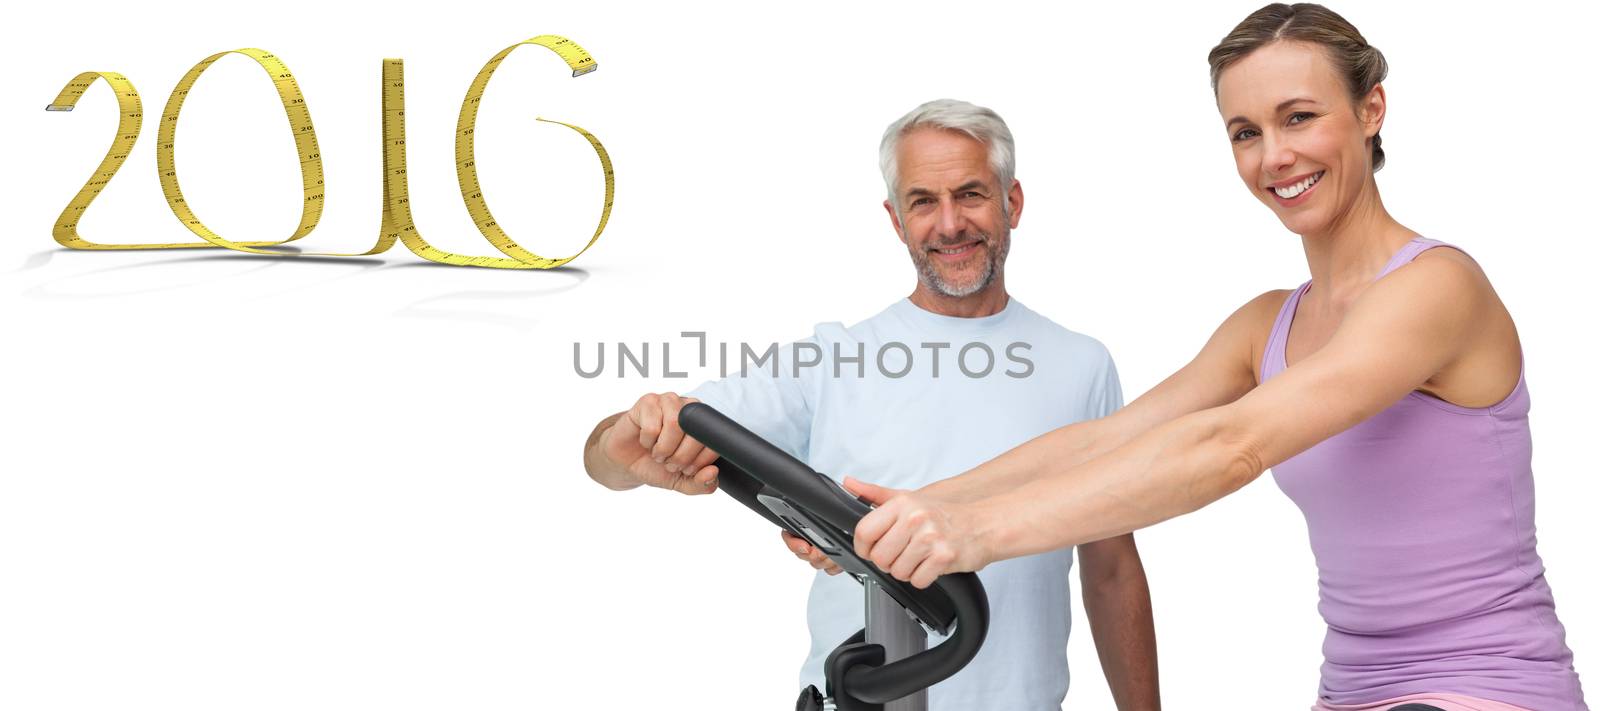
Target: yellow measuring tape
(397, 224)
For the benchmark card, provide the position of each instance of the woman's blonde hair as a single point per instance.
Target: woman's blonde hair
(1361, 65)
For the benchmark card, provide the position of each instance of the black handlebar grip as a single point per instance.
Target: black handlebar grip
(754, 458)
(744, 489)
(771, 466)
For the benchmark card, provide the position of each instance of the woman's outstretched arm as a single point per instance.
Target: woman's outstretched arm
(1400, 333)
(1222, 372)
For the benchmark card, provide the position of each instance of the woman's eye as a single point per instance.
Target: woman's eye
(1300, 117)
(1244, 134)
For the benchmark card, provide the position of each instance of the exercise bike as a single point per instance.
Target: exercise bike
(885, 666)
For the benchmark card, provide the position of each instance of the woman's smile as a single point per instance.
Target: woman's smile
(1295, 191)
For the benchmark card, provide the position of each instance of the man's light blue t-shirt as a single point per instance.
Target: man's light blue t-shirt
(909, 397)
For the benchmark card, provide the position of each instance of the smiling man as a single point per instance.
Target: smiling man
(922, 388)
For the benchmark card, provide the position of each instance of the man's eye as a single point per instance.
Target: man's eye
(1244, 134)
(921, 201)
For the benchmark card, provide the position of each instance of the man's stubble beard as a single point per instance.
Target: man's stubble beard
(994, 264)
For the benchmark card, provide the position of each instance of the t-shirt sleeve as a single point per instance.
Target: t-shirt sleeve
(772, 398)
(1106, 397)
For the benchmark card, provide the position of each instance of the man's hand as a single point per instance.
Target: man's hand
(810, 554)
(916, 537)
(648, 444)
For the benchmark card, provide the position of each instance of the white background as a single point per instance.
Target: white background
(236, 482)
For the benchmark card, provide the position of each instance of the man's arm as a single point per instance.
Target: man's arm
(645, 446)
(1116, 597)
(609, 474)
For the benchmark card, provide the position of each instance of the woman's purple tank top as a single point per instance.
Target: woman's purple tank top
(1421, 521)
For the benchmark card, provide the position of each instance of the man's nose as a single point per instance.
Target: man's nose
(950, 217)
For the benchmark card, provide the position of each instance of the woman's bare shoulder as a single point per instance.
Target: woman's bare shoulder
(1257, 315)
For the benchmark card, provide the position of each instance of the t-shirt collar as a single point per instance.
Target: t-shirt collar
(922, 317)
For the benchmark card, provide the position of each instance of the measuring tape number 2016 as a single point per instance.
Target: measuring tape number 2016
(397, 225)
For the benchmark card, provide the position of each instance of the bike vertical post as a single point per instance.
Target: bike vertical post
(900, 636)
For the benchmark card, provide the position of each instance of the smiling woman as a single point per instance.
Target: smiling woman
(1386, 394)
(1359, 64)
(1327, 118)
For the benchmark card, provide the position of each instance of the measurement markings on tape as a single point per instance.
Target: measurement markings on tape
(397, 222)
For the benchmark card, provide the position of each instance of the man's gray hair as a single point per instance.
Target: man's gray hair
(950, 114)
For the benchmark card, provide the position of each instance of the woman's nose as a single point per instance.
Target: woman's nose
(1279, 154)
